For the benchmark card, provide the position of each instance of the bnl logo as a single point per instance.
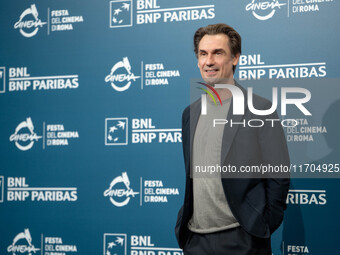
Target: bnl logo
(115, 244)
(121, 13)
(1, 189)
(2, 79)
(116, 131)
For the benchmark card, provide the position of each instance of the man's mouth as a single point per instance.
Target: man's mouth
(211, 71)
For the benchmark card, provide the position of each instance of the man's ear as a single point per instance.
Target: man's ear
(235, 59)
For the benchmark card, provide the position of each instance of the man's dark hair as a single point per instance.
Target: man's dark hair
(220, 28)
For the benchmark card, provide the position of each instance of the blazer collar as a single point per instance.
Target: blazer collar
(195, 112)
(228, 133)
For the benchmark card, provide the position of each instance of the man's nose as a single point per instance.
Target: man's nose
(210, 60)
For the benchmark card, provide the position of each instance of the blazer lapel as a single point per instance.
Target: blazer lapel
(195, 112)
(230, 131)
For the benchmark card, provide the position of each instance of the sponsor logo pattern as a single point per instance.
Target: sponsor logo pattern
(116, 131)
(121, 13)
(120, 191)
(294, 249)
(28, 247)
(151, 12)
(23, 244)
(115, 244)
(266, 9)
(2, 184)
(252, 67)
(122, 244)
(29, 26)
(123, 79)
(29, 22)
(21, 80)
(2, 79)
(142, 131)
(24, 135)
(19, 190)
(120, 196)
(306, 197)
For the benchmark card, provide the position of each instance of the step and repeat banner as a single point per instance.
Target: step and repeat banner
(92, 94)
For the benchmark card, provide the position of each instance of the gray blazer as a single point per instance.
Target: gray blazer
(257, 203)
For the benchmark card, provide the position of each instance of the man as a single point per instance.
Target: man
(228, 215)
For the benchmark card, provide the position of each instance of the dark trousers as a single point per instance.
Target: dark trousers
(233, 241)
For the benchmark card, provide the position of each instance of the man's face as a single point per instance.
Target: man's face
(214, 58)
